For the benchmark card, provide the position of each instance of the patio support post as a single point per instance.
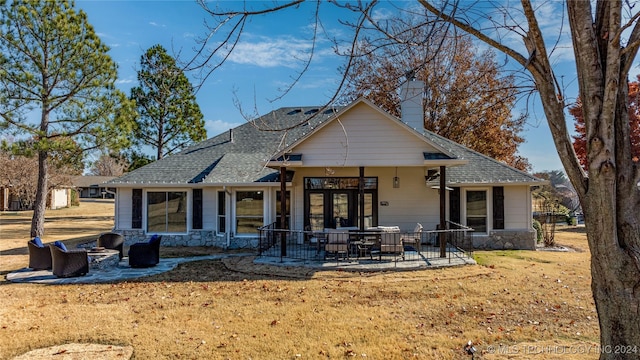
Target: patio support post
(443, 196)
(283, 210)
(361, 191)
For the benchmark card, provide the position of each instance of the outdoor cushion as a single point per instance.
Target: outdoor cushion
(60, 245)
(37, 242)
(154, 238)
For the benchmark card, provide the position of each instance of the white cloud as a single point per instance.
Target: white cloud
(274, 52)
(215, 127)
(153, 23)
(124, 81)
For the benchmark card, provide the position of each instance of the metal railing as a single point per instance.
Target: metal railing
(369, 245)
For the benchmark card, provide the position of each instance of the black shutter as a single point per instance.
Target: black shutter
(454, 205)
(197, 209)
(498, 207)
(136, 209)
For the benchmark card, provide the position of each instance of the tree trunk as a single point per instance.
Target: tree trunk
(40, 205)
(616, 289)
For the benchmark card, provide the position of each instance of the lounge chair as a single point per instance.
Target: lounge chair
(337, 243)
(39, 255)
(145, 254)
(68, 263)
(390, 243)
(112, 241)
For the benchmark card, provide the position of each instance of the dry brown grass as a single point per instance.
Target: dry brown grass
(237, 310)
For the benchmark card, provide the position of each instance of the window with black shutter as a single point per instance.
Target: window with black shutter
(197, 209)
(498, 207)
(454, 205)
(136, 209)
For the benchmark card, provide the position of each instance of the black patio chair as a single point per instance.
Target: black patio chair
(69, 263)
(112, 241)
(145, 254)
(39, 255)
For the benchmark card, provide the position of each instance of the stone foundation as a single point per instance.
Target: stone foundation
(193, 238)
(506, 240)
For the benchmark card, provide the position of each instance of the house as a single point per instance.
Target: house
(340, 167)
(89, 186)
(57, 198)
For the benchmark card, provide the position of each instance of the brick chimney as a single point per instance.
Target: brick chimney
(411, 108)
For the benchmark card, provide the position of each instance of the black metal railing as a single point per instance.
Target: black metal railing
(370, 245)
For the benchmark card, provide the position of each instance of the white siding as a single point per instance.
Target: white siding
(209, 205)
(517, 208)
(124, 203)
(363, 137)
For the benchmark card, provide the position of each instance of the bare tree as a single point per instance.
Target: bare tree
(605, 36)
(108, 165)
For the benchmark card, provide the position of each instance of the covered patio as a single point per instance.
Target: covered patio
(371, 248)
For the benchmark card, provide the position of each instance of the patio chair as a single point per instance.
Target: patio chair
(145, 254)
(390, 243)
(39, 255)
(112, 241)
(413, 239)
(337, 244)
(68, 263)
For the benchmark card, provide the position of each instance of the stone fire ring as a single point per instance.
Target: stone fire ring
(79, 352)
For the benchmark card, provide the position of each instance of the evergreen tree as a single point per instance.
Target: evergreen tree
(54, 63)
(170, 118)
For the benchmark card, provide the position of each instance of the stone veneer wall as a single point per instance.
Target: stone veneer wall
(193, 238)
(506, 240)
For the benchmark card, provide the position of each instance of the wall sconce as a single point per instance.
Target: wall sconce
(396, 180)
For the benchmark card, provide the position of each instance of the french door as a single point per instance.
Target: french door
(337, 208)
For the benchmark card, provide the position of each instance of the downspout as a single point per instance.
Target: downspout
(115, 207)
(227, 218)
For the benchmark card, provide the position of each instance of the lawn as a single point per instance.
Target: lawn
(524, 303)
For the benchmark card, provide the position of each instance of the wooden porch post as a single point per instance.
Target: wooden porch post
(283, 210)
(361, 190)
(443, 225)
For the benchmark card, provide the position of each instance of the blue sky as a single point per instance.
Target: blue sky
(263, 63)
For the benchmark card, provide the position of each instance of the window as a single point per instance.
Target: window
(167, 211)
(477, 210)
(222, 208)
(249, 211)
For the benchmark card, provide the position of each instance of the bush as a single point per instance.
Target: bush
(538, 228)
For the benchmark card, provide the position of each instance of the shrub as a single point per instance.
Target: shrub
(538, 227)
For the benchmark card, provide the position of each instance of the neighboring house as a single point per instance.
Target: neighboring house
(221, 190)
(90, 186)
(58, 198)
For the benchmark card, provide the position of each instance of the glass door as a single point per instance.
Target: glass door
(343, 209)
(316, 211)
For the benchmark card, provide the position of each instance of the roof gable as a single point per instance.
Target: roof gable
(362, 134)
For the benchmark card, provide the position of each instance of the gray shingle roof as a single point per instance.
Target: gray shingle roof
(221, 160)
(238, 156)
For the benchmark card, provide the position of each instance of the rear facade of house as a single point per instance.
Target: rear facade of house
(339, 167)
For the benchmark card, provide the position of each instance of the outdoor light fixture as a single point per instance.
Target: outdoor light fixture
(396, 180)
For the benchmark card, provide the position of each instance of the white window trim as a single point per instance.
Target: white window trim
(463, 209)
(146, 205)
